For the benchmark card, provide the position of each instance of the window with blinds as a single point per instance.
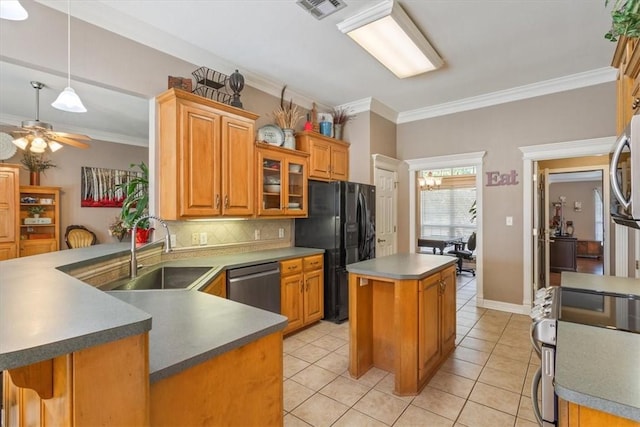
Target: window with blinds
(444, 210)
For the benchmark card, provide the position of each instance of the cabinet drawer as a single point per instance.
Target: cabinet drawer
(290, 266)
(312, 262)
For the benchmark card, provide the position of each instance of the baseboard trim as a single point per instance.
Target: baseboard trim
(503, 306)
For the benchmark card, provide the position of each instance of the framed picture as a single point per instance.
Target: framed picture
(100, 187)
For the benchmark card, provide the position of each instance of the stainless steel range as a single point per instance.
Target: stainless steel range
(600, 309)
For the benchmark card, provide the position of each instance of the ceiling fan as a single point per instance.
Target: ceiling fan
(39, 135)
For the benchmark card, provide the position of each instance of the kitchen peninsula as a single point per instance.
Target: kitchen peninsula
(402, 317)
(75, 355)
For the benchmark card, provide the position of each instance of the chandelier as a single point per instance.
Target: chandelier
(429, 182)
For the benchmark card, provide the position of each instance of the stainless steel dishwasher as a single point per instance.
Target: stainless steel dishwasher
(256, 285)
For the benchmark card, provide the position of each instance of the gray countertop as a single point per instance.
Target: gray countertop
(402, 266)
(599, 367)
(45, 313)
(192, 327)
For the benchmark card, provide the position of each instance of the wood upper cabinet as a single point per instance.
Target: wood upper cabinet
(206, 157)
(9, 214)
(328, 157)
(282, 182)
(436, 320)
(627, 59)
(41, 235)
(302, 291)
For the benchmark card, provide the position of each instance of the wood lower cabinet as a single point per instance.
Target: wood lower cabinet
(105, 385)
(218, 286)
(328, 157)
(436, 321)
(9, 213)
(573, 415)
(404, 326)
(206, 162)
(39, 235)
(302, 291)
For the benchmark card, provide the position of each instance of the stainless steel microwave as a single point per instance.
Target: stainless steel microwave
(625, 176)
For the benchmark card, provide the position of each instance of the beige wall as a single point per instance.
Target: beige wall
(368, 134)
(583, 220)
(500, 130)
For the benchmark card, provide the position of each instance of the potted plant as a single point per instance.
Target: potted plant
(287, 117)
(35, 211)
(625, 19)
(117, 229)
(35, 163)
(340, 118)
(136, 202)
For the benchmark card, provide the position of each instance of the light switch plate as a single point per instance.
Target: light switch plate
(281, 233)
(203, 238)
(174, 242)
(256, 234)
(195, 239)
(509, 220)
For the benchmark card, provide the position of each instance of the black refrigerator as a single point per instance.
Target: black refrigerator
(342, 222)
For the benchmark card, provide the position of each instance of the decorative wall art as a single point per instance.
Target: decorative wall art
(100, 187)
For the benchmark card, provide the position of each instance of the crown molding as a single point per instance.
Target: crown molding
(561, 150)
(95, 135)
(372, 105)
(561, 84)
(111, 20)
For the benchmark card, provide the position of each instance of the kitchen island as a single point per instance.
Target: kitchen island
(597, 369)
(86, 357)
(402, 317)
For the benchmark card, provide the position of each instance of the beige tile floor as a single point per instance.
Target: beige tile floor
(485, 382)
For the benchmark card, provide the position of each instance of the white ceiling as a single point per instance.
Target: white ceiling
(494, 50)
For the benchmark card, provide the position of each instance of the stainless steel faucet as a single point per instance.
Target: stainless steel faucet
(134, 230)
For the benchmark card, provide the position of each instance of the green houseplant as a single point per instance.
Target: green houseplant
(35, 211)
(136, 200)
(625, 19)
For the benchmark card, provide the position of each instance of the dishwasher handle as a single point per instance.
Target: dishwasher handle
(270, 268)
(253, 276)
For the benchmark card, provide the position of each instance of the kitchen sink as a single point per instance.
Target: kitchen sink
(160, 277)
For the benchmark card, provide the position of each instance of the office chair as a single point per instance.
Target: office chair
(466, 254)
(78, 236)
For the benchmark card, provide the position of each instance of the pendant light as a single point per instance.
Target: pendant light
(12, 10)
(68, 100)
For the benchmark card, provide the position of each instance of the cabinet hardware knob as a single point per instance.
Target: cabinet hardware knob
(217, 201)
(381, 240)
(307, 286)
(301, 286)
(226, 201)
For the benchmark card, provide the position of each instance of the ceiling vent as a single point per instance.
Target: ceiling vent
(321, 8)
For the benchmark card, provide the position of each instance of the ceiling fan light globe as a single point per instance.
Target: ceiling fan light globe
(36, 150)
(69, 101)
(39, 143)
(21, 143)
(12, 10)
(54, 146)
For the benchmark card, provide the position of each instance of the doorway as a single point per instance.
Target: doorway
(575, 221)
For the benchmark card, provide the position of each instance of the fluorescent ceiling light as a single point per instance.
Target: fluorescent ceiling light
(389, 35)
(12, 10)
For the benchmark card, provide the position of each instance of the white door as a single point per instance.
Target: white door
(544, 236)
(386, 212)
(540, 229)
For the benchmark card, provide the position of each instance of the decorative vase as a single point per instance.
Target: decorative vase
(34, 178)
(289, 139)
(142, 235)
(337, 130)
(36, 215)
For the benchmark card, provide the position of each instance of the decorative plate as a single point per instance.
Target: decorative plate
(271, 134)
(7, 147)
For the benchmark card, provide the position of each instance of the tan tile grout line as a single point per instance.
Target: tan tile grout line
(459, 307)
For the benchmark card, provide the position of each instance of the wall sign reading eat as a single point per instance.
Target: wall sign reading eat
(496, 178)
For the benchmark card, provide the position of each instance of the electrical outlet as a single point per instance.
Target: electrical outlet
(256, 234)
(173, 240)
(281, 233)
(203, 238)
(195, 239)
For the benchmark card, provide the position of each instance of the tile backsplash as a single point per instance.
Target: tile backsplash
(221, 233)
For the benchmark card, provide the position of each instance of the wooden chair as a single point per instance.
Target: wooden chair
(78, 236)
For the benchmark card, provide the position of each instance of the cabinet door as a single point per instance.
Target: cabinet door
(200, 150)
(429, 349)
(8, 251)
(271, 183)
(238, 165)
(339, 163)
(8, 204)
(291, 296)
(37, 246)
(319, 159)
(296, 187)
(448, 309)
(313, 296)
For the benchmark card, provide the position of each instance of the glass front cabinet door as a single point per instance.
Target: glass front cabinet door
(282, 182)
